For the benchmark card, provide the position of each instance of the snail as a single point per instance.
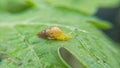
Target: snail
(53, 32)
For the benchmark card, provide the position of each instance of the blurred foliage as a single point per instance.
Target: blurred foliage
(21, 20)
(113, 16)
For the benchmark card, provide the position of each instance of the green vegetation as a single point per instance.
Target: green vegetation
(21, 20)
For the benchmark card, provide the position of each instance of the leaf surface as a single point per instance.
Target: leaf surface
(21, 48)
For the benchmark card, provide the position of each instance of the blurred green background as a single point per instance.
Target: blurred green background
(113, 16)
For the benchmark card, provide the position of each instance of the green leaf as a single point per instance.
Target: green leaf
(15, 6)
(83, 6)
(87, 7)
(20, 43)
(88, 46)
(108, 3)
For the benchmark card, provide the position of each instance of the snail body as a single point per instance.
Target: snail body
(53, 33)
